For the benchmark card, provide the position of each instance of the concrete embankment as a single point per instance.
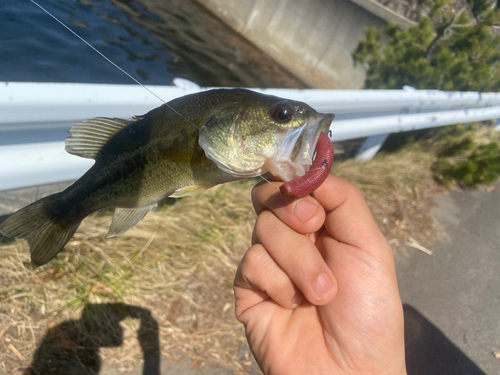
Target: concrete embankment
(312, 39)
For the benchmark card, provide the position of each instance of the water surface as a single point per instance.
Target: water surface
(154, 40)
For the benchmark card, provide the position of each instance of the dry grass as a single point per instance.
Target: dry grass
(399, 188)
(176, 265)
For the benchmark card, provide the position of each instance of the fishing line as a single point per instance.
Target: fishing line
(269, 182)
(111, 62)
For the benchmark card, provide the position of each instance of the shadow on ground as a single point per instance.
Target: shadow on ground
(72, 347)
(428, 350)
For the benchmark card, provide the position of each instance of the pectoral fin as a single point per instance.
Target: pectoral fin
(187, 191)
(126, 218)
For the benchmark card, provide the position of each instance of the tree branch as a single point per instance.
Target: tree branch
(442, 33)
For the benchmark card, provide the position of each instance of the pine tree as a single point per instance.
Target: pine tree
(454, 47)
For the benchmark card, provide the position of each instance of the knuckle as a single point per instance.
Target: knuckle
(265, 221)
(281, 285)
(253, 256)
(353, 189)
(258, 195)
(255, 195)
(257, 189)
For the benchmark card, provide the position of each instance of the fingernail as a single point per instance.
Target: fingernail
(304, 209)
(323, 284)
(297, 300)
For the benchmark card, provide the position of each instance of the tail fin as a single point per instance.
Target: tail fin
(44, 237)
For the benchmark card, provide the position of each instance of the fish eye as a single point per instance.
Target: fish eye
(282, 113)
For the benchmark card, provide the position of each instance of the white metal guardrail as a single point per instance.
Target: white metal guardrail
(35, 117)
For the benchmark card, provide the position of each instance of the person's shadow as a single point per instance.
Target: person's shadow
(429, 351)
(72, 347)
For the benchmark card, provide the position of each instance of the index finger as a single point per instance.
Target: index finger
(304, 215)
(348, 218)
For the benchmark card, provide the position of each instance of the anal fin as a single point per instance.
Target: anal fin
(126, 218)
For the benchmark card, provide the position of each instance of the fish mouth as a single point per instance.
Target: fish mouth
(296, 148)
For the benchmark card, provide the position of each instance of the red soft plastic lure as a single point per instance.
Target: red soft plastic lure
(317, 174)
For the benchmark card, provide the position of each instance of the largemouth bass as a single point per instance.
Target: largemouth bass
(178, 149)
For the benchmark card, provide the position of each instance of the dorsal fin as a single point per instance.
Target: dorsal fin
(88, 136)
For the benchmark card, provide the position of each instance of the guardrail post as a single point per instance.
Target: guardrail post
(371, 146)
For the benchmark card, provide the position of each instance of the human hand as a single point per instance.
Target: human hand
(317, 291)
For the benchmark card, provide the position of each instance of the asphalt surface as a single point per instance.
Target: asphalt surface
(15, 199)
(452, 298)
